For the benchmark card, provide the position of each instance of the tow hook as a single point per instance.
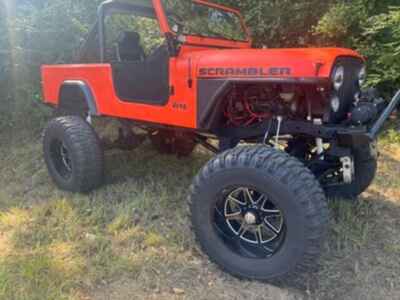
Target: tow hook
(348, 169)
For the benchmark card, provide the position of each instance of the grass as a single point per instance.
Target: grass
(131, 239)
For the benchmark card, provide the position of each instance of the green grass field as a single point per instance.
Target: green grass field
(131, 239)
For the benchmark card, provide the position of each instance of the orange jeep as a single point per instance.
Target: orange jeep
(186, 72)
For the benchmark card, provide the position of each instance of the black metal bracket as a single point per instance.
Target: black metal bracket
(290, 127)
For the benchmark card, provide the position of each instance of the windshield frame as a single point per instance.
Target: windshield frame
(194, 38)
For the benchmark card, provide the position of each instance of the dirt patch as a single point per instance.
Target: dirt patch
(222, 288)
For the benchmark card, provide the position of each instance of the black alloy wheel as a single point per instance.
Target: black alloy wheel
(249, 222)
(61, 159)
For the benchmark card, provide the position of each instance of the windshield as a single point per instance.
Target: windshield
(191, 18)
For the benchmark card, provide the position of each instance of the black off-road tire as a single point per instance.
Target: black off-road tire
(61, 112)
(296, 192)
(227, 144)
(366, 165)
(171, 143)
(79, 165)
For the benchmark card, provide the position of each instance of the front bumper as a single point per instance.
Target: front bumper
(356, 137)
(345, 135)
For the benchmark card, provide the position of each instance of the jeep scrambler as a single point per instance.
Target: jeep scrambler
(185, 72)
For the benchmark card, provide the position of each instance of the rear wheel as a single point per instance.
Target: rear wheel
(73, 154)
(259, 213)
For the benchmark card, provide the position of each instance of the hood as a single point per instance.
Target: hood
(261, 63)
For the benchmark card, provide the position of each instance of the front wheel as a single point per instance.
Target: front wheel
(73, 154)
(259, 213)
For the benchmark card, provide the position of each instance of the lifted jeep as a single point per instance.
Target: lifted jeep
(185, 72)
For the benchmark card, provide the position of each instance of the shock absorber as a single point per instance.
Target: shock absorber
(318, 141)
(278, 131)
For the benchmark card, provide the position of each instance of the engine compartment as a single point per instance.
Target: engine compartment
(249, 104)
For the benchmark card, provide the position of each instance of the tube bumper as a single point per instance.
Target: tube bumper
(385, 115)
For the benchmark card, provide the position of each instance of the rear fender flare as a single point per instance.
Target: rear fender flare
(76, 96)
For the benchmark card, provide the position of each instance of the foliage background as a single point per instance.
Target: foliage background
(33, 32)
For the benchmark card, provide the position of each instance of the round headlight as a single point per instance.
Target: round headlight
(335, 103)
(362, 76)
(338, 77)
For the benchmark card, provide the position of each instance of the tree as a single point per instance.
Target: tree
(381, 44)
(37, 32)
(6, 82)
(372, 27)
(283, 23)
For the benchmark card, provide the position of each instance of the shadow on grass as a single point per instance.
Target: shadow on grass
(145, 163)
(362, 256)
(136, 227)
(53, 243)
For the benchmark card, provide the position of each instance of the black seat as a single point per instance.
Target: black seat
(129, 47)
